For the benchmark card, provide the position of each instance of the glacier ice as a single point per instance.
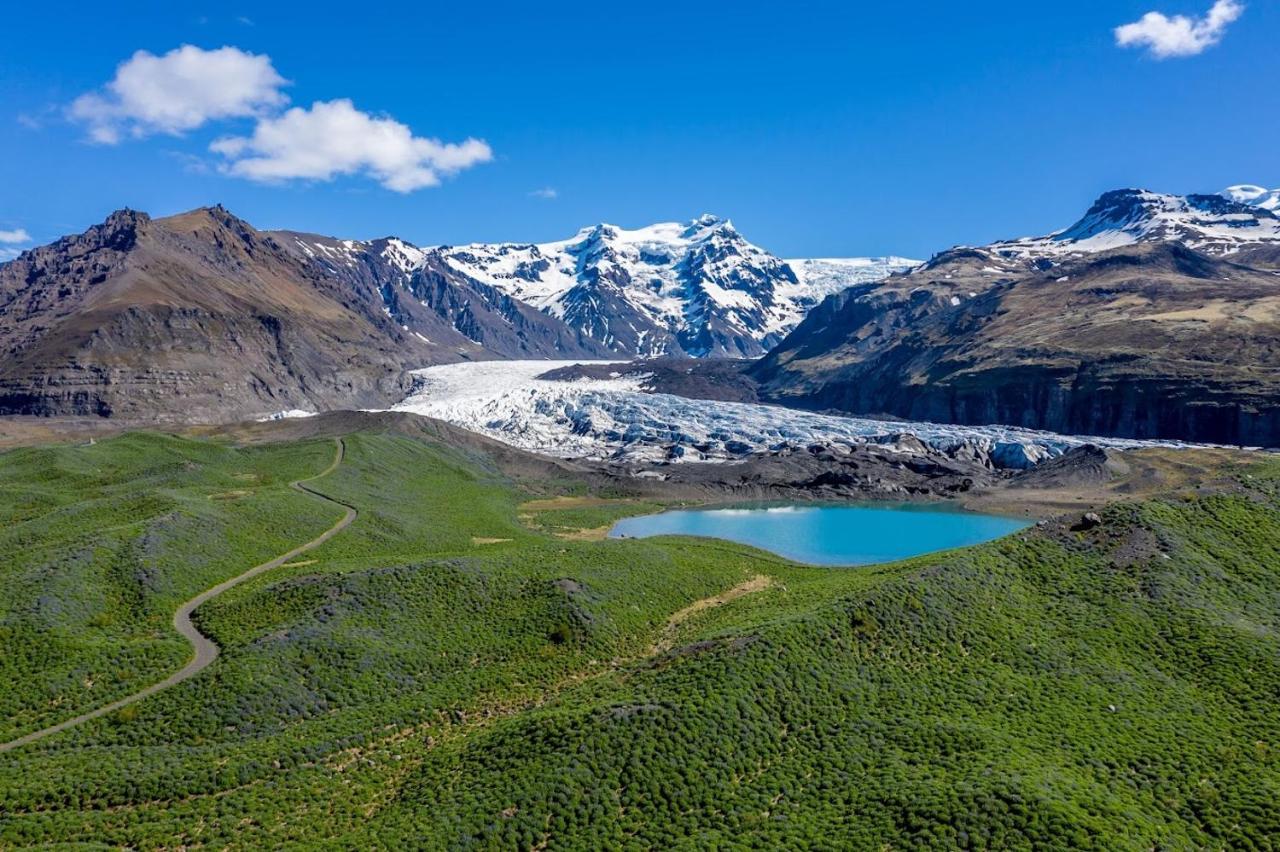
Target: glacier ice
(614, 419)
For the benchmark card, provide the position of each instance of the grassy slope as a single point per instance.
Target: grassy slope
(99, 545)
(413, 684)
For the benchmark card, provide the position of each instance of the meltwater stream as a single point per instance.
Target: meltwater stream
(829, 535)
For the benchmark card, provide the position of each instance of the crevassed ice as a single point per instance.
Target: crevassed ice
(615, 419)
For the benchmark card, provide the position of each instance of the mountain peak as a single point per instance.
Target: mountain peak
(1213, 224)
(706, 224)
(696, 287)
(1254, 196)
(215, 215)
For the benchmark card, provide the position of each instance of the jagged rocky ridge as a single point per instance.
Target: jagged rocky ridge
(427, 300)
(694, 289)
(1212, 224)
(1152, 317)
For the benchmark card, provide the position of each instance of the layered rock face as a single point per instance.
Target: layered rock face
(1146, 339)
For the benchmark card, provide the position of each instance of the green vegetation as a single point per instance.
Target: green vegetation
(450, 671)
(99, 545)
(579, 517)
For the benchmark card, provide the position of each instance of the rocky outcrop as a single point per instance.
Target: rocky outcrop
(830, 472)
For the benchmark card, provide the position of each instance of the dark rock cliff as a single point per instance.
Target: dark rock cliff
(1150, 341)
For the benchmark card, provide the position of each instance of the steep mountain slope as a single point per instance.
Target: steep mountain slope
(1149, 338)
(195, 316)
(201, 317)
(697, 288)
(421, 294)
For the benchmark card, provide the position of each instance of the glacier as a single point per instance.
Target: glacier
(614, 419)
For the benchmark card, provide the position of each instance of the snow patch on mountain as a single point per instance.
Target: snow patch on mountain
(697, 288)
(694, 288)
(818, 278)
(1254, 196)
(1213, 224)
(614, 419)
(287, 414)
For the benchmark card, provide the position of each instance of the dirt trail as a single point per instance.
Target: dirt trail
(205, 649)
(758, 583)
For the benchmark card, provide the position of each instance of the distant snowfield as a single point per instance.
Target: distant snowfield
(613, 419)
(287, 414)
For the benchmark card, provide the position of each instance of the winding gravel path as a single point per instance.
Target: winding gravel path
(206, 651)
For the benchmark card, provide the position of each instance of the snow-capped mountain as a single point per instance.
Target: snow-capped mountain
(1212, 224)
(1152, 316)
(1255, 196)
(697, 288)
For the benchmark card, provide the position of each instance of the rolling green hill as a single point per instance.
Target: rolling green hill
(458, 669)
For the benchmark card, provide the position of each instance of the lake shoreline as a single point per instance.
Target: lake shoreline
(829, 535)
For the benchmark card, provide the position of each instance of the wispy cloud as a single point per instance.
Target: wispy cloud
(39, 118)
(547, 192)
(1167, 37)
(11, 238)
(334, 138)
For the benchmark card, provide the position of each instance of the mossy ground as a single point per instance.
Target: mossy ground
(1114, 688)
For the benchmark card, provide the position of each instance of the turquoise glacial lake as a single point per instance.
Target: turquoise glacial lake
(829, 535)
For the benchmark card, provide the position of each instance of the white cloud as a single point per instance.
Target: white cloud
(547, 192)
(179, 91)
(15, 237)
(334, 138)
(189, 87)
(1166, 37)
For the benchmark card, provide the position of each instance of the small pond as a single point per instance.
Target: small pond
(829, 535)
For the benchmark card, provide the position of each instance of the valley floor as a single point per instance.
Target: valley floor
(461, 667)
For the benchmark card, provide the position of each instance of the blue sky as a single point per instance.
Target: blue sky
(821, 129)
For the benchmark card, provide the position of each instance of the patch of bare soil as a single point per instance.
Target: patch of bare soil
(592, 534)
(758, 583)
(1130, 475)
